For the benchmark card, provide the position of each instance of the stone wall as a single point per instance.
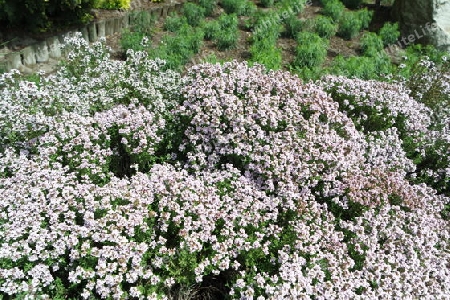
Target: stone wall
(44, 55)
(424, 21)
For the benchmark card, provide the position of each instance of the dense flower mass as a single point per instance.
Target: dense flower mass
(125, 180)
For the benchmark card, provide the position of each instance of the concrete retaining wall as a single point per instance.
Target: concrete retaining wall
(28, 59)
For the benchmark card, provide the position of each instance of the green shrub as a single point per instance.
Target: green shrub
(132, 40)
(174, 22)
(267, 3)
(228, 21)
(113, 4)
(39, 15)
(267, 54)
(211, 29)
(228, 34)
(333, 9)
(227, 39)
(389, 33)
(239, 7)
(142, 25)
(324, 27)
(193, 13)
(352, 4)
(349, 26)
(361, 66)
(208, 6)
(267, 28)
(365, 17)
(371, 44)
(311, 50)
(296, 6)
(292, 26)
(178, 49)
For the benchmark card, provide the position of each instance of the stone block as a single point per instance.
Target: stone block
(425, 21)
(85, 33)
(101, 29)
(54, 47)
(13, 61)
(92, 30)
(165, 10)
(41, 52)
(117, 25)
(156, 13)
(28, 56)
(109, 27)
(125, 21)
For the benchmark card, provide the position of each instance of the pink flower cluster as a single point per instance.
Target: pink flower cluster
(282, 194)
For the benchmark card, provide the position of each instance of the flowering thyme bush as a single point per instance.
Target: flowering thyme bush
(127, 181)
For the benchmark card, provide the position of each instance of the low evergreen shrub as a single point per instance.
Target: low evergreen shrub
(194, 13)
(267, 54)
(365, 17)
(208, 6)
(239, 7)
(228, 35)
(362, 67)
(132, 40)
(389, 33)
(333, 9)
(174, 22)
(371, 44)
(211, 29)
(350, 25)
(311, 50)
(292, 26)
(324, 27)
(267, 28)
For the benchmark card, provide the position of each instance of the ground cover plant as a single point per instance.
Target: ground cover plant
(125, 179)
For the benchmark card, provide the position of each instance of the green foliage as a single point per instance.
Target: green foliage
(38, 15)
(228, 35)
(178, 49)
(267, 28)
(291, 6)
(333, 9)
(349, 26)
(389, 33)
(324, 27)
(361, 67)
(311, 50)
(174, 22)
(113, 4)
(131, 40)
(365, 17)
(371, 44)
(142, 24)
(228, 39)
(239, 7)
(193, 13)
(211, 29)
(292, 26)
(267, 54)
(352, 4)
(267, 3)
(208, 6)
